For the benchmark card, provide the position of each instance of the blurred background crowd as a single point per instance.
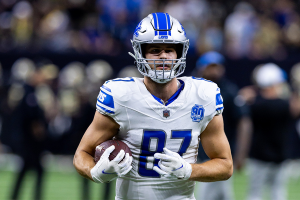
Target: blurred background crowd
(253, 29)
(55, 54)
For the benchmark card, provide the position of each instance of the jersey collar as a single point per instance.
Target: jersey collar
(178, 100)
(173, 97)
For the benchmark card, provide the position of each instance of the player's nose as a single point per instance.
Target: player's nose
(163, 55)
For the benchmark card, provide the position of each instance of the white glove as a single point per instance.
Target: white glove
(172, 165)
(105, 171)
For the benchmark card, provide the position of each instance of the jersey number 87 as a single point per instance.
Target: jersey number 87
(160, 137)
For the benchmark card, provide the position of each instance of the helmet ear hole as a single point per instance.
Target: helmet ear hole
(143, 48)
(179, 49)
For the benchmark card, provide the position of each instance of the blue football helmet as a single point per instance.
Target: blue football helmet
(160, 28)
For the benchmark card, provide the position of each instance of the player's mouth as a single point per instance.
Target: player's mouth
(163, 67)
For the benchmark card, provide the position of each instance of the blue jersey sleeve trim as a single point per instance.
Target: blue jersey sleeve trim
(105, 110)
(127, 79)
(219, 100)
(106, 99)
(220, 108)
(106, 88)
(202, 79)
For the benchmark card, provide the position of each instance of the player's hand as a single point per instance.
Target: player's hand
(105, 171)
(172, 165)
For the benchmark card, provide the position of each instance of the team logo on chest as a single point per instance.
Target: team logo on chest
(166, 113)
(197, 113)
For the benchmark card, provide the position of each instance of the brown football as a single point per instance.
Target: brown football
(104, 145)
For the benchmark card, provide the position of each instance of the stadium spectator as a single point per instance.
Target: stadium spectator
(14, 92)
(237, 124)
(294, 140)
(2, 97)
(190, 20)
(271, 117)
(254, 29)
(240, 27)
(29, 121)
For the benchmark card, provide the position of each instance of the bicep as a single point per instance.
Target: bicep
(214, 140)
(101, 129)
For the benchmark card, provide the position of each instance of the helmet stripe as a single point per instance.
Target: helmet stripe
(169, 23)
(162, 23)
(167, 20)
(155, 22)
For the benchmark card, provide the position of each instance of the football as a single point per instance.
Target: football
(119, 145)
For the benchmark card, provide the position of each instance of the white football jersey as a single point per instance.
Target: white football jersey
(147, 125)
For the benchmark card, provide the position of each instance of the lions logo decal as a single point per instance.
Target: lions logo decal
(137, 29)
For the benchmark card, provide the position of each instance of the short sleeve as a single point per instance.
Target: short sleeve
(105, 101)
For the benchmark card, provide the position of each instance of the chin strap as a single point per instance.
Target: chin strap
(160, 80)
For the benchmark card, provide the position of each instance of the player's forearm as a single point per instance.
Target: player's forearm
(83, 163)
(213, 170)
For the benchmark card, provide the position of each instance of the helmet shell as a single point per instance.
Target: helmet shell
(160, 28)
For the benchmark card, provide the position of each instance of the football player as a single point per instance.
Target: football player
(161, 118)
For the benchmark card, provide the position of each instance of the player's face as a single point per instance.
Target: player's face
(160, 52)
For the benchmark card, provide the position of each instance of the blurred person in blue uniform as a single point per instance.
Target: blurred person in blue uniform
(271, 116)
(237, 124)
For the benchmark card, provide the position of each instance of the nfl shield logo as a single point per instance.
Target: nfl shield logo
(166, 113)
(197, 113)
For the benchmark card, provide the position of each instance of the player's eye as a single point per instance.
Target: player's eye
(155, 51)
(169, 50)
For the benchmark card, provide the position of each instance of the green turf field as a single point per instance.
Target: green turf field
(57, 186)
(66, 185)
